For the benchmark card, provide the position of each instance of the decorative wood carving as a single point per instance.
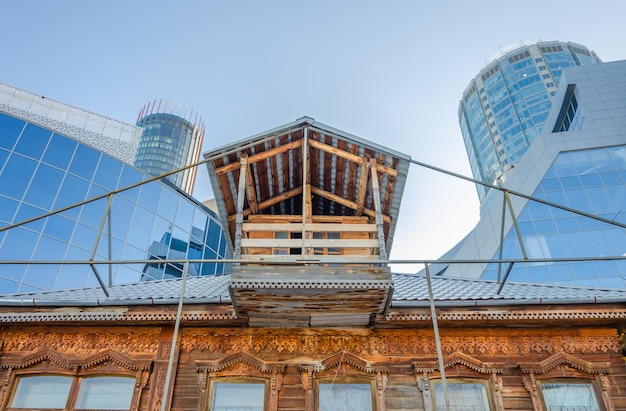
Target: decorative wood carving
(13, 361)
(75, 365)
(338, 361)
(388, 342)
(240, 364)
(423, 369)
(557, 365)
(83, 342)
(560, 359)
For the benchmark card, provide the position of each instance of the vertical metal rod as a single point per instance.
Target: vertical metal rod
(97, 241)
(517, 230)
(379, 217)
(433, 314)
(110, 251)
(506, 276)
(170, 363)
(305, 154)
(501, 236)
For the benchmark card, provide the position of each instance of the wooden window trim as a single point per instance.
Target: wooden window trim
(50, 362)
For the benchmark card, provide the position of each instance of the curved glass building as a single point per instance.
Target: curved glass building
(578, 165)
(169, 142)
(47, 166)
(505, 106)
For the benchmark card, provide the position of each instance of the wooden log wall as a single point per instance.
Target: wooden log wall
(398, 362)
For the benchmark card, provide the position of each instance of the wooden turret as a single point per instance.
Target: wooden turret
(310, 211)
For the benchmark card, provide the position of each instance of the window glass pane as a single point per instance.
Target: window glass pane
(16, 175)
(10, 129)
(59, 151)
(44, 186)
(48, 391)
(84, 162)
(569, 397)
(238, 397)
(105, 393)
(33, 141)
(463, 396)
(108, 173)
(340, 397)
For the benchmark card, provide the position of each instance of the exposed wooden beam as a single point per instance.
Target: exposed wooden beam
(350, 204)
(243, 161)
(251, 192)
(360, 203)
(349, 156)
(261, 156)
(268, 203)
(382, 251)
(313, 227)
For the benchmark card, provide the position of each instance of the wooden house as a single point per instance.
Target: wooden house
(311, 317)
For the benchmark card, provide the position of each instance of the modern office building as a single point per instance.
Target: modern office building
(54, 156)
(168, 142)
(579, 163)
(504, 107)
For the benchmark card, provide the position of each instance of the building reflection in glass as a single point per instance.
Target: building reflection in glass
(42, 171)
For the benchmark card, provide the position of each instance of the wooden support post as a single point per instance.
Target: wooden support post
(307, 209)
(250, 191)
(360, 204)
(377, 209)
(240, 196)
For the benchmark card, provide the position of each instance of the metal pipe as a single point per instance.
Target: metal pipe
(433, 314)
(110, 251)
(517, 230)
(501, 235)
(506, 276)
(518, 194)
(170, 363)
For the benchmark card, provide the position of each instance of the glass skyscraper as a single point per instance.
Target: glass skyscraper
(578, 162)
(48, 164)
(169, 142)
(505, 106)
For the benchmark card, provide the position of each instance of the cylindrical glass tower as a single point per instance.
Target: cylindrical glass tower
(504, 107)
(168, 142)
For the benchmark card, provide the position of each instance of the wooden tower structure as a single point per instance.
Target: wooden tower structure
(310, 211)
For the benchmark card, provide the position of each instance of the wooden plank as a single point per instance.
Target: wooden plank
(274, 168)
(240, 196)
(314, 227)
(360, 203)
(327, 183)
(349, 204)
(351, 192)
(251, 192)
(349, 156)
(260, 156)
(341, 165)
(382, 251)
(271, 201)
(313, 242)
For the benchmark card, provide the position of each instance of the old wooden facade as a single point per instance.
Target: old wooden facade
(304, 313)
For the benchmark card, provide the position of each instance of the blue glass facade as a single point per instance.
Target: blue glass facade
(42, 171)
(592, 181)
(504, 108)
(169, 142)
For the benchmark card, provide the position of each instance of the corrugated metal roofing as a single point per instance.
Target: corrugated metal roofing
(409, 290)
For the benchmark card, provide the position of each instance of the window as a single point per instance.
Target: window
(238, 396)
(327, 250)
(463, 395)
(54, 392)
(338, 396)
(563, 396)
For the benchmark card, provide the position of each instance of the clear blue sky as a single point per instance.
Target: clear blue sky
(391, 72)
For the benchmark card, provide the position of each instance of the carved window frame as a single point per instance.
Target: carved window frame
(109, 363)
(344, 368)
(460, 367)
(567, 367)
(239, 367)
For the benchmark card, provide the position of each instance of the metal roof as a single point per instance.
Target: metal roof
(335, 163)
(410, 290)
